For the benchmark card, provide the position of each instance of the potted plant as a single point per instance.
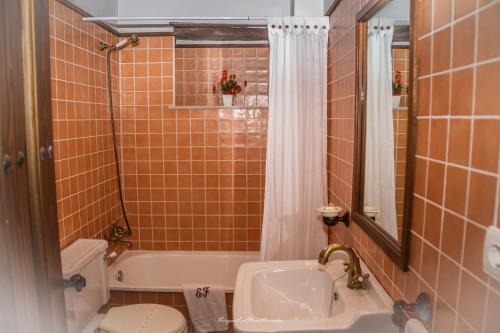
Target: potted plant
(229, 87)
(397, 89)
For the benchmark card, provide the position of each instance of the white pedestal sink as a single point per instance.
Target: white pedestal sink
(304, 296)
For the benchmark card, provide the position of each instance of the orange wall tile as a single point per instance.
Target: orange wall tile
(198, 70)
(400, 119)
(193, 179)
(87, 197)
(457, 178)
(400, 61)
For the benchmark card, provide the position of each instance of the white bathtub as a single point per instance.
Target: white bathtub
(167, 271)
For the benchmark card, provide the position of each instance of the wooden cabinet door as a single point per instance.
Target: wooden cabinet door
(19, 299)
(31, 293)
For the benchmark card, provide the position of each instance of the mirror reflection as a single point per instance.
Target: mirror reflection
(386, 93)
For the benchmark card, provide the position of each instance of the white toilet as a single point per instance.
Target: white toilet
(86, 257)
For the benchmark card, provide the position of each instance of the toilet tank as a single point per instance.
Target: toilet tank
(85, 257)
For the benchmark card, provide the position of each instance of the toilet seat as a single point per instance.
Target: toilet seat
(143, 318)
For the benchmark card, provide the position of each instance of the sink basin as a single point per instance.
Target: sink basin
(292, 296)
(299, 292)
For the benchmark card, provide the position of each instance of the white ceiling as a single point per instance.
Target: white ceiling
(194, 8)
(397, 9)
(98, 7)
(202, 7)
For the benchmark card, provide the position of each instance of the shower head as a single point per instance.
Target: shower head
(132, 39)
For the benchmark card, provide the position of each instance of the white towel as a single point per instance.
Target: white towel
(415, 326)
(207, 307)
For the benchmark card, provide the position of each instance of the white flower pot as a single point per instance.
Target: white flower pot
(395, 101)
(228, 100)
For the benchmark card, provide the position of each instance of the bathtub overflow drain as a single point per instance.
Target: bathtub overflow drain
(119, 276)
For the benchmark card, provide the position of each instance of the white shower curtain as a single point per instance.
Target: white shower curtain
(296, 182)
(379, 158)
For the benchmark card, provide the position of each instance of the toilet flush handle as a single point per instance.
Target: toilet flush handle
(76, 281)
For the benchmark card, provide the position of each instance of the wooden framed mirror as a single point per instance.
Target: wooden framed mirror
(385, 125)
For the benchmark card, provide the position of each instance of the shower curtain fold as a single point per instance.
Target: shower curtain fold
(296, 181)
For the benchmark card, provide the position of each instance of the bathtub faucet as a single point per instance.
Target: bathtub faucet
(116, 234)
(125, 242)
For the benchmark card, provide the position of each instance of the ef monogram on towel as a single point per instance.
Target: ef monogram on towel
(202, 292)
(206, 304)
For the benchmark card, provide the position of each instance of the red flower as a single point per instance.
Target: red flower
(397, 84)
(228, 84)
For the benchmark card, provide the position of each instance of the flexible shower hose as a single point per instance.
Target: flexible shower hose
(115, 148)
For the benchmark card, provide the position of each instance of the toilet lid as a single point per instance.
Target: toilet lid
(143, 318)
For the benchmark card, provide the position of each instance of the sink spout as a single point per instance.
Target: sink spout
(356, 278)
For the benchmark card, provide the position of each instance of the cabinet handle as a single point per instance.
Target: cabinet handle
(43, 153)
(20, 158)
(7, 163)
(50, 150)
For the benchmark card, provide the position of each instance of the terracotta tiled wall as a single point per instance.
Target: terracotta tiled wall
(400, 117)
(198, 71)
(87, 200)
(193, 178)
(400, 61)
(457, 165)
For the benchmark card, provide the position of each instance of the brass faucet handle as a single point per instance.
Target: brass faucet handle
(362, 280)
(347, 266)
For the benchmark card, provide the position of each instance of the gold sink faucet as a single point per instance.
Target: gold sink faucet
(356, 278)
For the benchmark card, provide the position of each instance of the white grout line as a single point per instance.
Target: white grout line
(135, 153)
(460, 166)
(461, 117)
(469, 173)
(163, 135)
(445, 181)
(427, 152)
(460, 68)
(149, 144)
(427, 164)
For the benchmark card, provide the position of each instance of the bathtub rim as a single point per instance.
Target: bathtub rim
(113, 286)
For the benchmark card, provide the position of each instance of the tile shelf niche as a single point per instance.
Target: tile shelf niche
(204, 107)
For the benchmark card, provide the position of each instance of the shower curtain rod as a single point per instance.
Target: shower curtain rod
(172, 18)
